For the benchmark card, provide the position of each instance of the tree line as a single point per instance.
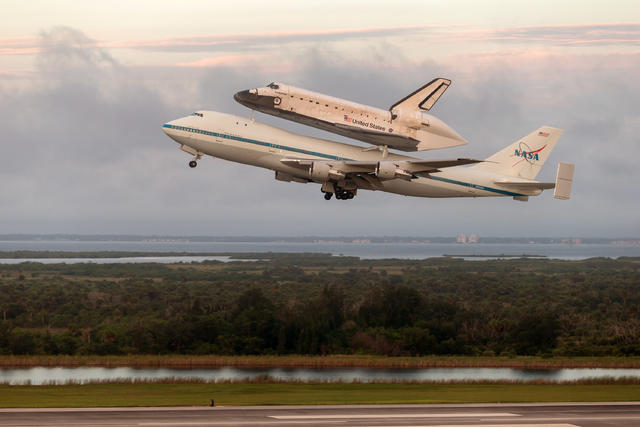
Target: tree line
(318, 304)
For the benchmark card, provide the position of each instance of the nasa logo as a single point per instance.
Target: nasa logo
(390, 130)
(526, 153)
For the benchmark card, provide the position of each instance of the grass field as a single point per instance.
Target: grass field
(96, 395)
(345, 361)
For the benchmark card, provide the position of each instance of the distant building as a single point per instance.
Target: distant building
(462, 238)
(572, 241)
(473, 238)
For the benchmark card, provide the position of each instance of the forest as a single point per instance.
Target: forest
(321, 304)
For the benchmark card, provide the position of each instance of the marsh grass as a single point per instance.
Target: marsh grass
(162, 394)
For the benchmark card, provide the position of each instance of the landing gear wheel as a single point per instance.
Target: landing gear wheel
(193, 164)
(327, 196)
(277, 100)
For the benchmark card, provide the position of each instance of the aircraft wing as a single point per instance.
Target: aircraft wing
(346, 166)
(422, 166)
(368, 173)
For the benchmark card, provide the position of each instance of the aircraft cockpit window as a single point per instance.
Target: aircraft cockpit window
(273, 86)
(197, 114)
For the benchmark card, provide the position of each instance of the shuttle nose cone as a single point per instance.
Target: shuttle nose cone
(250, 98)
(246, 97)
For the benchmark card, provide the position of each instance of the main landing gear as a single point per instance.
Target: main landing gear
(344, 194)
(340, 194)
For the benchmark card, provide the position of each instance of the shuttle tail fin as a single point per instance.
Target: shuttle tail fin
(525, 157)
(423, 98)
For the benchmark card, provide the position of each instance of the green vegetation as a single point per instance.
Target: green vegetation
(315, 304)
(96, 395)
(310, 361)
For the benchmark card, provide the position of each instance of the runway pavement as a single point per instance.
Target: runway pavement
(478, 415)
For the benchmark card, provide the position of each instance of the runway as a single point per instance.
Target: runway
(478, 415)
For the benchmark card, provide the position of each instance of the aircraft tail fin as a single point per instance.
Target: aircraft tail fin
(423, 98)
(525, 157)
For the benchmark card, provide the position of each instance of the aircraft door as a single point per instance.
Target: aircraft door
(282, 97)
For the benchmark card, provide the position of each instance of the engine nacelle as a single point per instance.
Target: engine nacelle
(321, 172)
(386, 170)
(389, 170)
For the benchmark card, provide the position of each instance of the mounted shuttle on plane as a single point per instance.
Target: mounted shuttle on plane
(405, 126)
(343, 169)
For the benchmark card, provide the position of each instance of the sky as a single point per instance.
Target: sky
(85, 87)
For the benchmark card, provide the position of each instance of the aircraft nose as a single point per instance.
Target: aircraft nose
(166, 127)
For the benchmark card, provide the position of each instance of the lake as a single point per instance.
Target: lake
(46, 375)
(362, 250)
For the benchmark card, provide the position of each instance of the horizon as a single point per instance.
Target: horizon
(3, 236)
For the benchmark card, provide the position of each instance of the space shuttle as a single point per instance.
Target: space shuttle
(405, 126)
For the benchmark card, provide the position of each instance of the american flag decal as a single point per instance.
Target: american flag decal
(347, 119)
(545, 134)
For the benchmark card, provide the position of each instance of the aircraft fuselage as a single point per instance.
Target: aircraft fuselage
(246, 141)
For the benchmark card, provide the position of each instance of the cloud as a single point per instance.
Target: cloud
(609, 34)
(226, 42)
(573, 35)
(83, 150)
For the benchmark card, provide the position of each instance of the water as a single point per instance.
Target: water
(124, 260)
(362, 250)
(41, 375)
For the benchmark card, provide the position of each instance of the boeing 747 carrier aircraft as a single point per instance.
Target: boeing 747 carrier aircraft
(405, 126)
(343, 169)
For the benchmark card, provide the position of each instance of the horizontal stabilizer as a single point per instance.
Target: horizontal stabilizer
(526, 186)
(423, 98)
(564, 180)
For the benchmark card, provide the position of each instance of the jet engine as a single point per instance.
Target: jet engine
(321, 172)
(389, 170)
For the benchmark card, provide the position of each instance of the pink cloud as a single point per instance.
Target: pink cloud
(617, 33)
(218, 61)
(621, 34)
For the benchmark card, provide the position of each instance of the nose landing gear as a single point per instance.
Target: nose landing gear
(193, 163)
